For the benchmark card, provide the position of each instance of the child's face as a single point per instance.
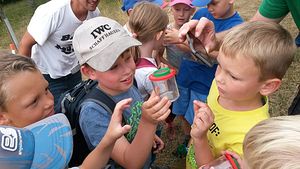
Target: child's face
(119, 78)
(238, 79)
(29, 99)
(181, 13)
(219, 8)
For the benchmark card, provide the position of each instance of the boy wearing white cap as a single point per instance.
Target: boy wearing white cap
(103, 49)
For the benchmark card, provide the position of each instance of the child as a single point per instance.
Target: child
(252, 61)
(103, 49)
(148, 23)
(195, 78)
(273, 143)
(32, 104)
(127, 6)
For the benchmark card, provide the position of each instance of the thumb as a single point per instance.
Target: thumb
(125, 129)
(120, 106)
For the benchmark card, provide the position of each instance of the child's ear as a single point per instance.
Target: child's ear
(129, 11)
(4, 120)
(270, 86)
(88, 71)
(158, 35)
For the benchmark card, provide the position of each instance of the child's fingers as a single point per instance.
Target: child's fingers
(120, 106)
(153, 100)
(206, 116)
(185, 28)
(125, 129)
(197, 105)
(161, 107)
(164, 116)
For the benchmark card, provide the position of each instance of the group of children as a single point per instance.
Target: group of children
(218, 104)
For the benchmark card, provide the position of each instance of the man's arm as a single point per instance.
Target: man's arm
(259, 17)
(26, 44)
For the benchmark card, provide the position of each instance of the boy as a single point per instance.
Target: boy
(252, 61)
(48, 41)
(31, 105)
(195, 78)
(103, 49)
(279, 148)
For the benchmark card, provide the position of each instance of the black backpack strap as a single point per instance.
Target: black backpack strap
(101, 98)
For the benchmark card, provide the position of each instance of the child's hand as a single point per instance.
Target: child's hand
(158, 144)
(156, 109)
(203, 120)
(234, 155)
(171, 36)
(115, 129)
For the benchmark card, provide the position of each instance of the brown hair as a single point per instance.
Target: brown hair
(10, 65)
(269, 45)
(147, 19)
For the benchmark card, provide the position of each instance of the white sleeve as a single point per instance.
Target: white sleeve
(43, 23)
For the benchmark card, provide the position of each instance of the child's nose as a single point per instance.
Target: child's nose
(49, 100)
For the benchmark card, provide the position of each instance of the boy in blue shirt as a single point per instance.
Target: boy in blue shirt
(104, 50)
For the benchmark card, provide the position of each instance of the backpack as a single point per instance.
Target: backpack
(70, 104)
(294, 109)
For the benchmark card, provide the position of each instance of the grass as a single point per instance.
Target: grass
(20, 13)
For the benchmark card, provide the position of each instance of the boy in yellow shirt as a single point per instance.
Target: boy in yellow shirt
(252, 61)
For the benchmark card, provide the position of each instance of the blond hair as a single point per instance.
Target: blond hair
(273, 143)
(10, 65)
(147, 19)
(269, 45)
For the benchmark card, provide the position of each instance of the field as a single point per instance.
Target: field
(19, 14)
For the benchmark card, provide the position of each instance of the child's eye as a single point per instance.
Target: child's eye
(233, 77)
(127, 58)
(34, 102)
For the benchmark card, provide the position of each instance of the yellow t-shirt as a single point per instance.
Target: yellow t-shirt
(229, 127)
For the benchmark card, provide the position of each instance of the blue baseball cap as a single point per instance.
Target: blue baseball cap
(46, 144)
(200, 3)
(129, 4)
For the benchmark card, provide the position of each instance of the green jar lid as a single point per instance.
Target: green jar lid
(162, 72)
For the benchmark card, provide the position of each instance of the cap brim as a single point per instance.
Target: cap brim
(53, 142)
(180, 2)
(103, 64)
(200, 3)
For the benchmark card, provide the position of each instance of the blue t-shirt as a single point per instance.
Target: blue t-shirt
(196, 76)
(94, 119)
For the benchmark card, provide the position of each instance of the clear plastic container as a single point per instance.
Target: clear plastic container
(164, 79)
(225, 161)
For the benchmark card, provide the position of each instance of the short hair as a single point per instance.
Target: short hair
(10, 65)
(269, 45)
(146, 19)
(273, 143)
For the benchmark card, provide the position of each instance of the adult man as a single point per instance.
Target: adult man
(48, 40)
(269, 11)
